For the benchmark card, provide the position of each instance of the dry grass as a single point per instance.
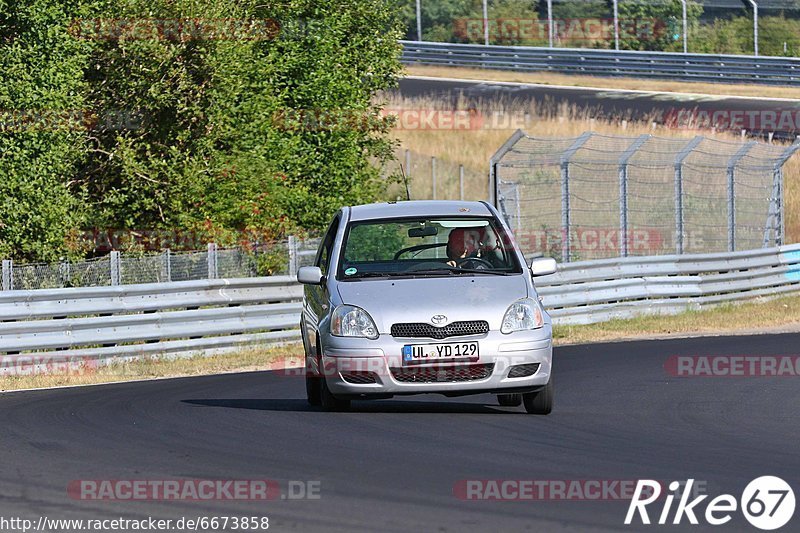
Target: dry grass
(154, 368)
(751, 317)
(546, 78)
(473, 147)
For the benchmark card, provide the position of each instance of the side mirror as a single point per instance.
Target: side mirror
(543, 266)
(309, 275)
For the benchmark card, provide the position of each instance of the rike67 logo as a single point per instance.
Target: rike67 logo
(767, 503)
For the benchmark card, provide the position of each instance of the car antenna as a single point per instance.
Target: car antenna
(405, 181)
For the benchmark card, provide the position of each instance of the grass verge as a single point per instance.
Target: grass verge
(154, 368)
(751, 317)
(547, 78)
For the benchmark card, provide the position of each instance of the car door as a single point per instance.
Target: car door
(317, 299)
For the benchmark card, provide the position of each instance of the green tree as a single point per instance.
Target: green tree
(655, 26)
(42, 128)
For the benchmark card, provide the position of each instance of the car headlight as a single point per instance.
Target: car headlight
(521, 315)
(352, 321)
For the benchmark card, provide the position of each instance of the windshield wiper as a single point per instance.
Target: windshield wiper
(457, 270)
(361, 275)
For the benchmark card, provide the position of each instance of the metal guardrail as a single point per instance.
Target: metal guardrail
(595, 291)
(212, 316)
(165, 319)
(662, 65)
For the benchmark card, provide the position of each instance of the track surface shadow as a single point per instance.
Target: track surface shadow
(376, 406)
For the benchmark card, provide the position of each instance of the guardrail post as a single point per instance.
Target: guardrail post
(623, 191)
(168, 264)
(213, 273)
(115, 264)
(679, 159)
(292, 245)
(8, 275)
(732, 193)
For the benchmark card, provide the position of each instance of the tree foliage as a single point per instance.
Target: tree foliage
(186, 130)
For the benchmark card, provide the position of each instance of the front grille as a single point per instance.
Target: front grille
(442, 374)
(456, 329)
(359, 377)
(523, 371)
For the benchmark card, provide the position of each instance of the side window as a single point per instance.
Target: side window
(324, 252)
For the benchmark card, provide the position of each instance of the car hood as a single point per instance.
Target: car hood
(458, 298)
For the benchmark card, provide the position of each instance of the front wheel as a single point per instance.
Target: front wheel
(541, 401)
(330, 402)
(313, 389)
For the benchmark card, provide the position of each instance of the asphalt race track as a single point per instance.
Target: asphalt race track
(391, 465)
(628, 105)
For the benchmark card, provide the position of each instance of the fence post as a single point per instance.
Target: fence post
(780, 213)
(679, 159)
(8, 275)
(116, 271)
(292, 255)
(461, 180)
(433, 175)
(732, 193)
(212, 261)
(419, 20)
(565, 208)
(623, 191)
(64, 272)
(168, 264)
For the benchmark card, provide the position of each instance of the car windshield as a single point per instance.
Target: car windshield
(424, 247)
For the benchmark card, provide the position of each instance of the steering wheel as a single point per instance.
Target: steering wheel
(478, 262)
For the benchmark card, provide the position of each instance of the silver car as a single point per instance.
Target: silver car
(424, 297)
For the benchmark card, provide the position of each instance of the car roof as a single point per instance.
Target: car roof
(415, 208)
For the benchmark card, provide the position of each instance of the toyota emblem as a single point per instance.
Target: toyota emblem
(438, 319)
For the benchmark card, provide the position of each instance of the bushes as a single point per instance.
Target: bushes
(184, 133)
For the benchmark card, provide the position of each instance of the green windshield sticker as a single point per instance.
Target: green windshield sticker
(350, 271)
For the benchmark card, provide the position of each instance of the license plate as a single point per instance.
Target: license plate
(424, 353)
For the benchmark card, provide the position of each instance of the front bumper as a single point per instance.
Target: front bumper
(378, 367)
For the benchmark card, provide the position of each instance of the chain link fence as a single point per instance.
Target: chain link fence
(119, 268)
(598, 196)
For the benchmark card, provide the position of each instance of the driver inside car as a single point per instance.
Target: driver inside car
(463, 244)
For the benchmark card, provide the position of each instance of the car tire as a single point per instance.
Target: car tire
(330, 402)
(541, 401)
(312, 381)
(313, 389)
(509, 400)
